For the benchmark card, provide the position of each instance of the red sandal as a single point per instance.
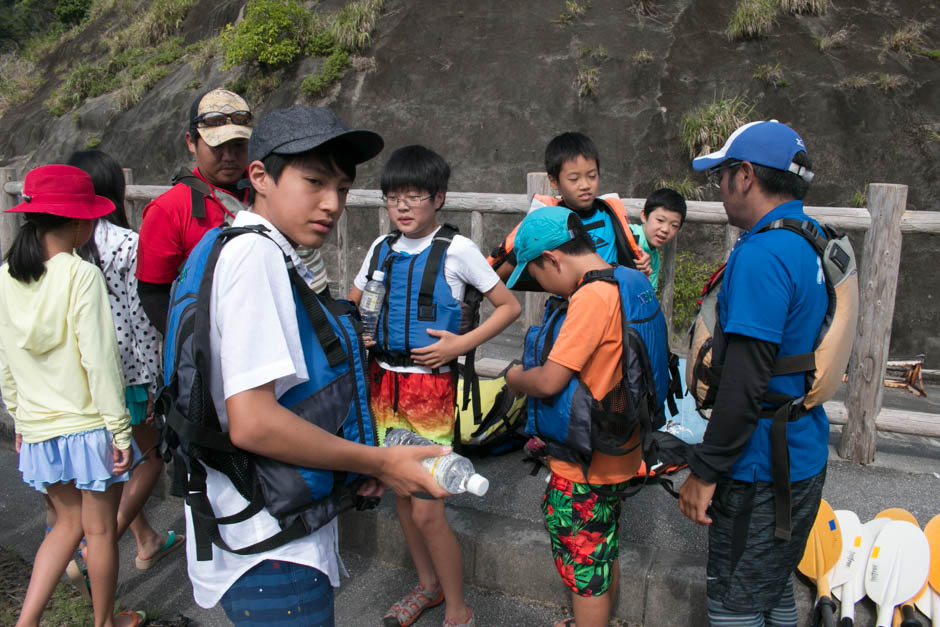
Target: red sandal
(407, 611)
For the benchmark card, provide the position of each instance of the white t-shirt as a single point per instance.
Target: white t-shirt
(254, 340)
(464, 265)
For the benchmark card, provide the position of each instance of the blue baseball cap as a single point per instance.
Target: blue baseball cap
(543, 229)
(767, 143)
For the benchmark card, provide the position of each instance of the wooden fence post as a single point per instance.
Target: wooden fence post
(9, 222)
(878, 283)
(132, 208)
(535, 183)
(732, 233)
(667, 283)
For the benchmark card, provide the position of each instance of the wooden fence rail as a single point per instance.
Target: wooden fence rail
(886, 216)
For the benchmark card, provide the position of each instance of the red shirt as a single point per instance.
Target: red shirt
(169, 231)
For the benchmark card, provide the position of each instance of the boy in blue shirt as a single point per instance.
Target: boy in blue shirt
(573, 164)
(772, 303)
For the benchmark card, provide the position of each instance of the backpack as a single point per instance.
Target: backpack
(572, 423)
(494, 425)
(625, 243)
(824, 366)
(335, 398)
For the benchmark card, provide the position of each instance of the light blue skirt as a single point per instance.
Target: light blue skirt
(84, 458)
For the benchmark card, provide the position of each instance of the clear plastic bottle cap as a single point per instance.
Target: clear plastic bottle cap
(478, 484)
(378, 275)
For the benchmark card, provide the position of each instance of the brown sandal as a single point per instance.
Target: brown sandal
(407, 611)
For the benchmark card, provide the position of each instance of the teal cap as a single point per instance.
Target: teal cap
(544, 229)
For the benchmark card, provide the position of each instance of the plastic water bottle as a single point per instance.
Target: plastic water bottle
(452, 472)
(370, 305)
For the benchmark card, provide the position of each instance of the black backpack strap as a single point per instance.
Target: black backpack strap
(625, 255)
(442, 240)
(198, 189)
(471, 381)
(206, 523)
(804, 228)
(332, 347)
(374, 260)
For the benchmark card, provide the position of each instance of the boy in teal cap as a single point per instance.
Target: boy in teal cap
(580, 506)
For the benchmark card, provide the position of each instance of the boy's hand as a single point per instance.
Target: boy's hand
(19, 442)
(371, 488)
(440, 353)
(695, 496)
(643, 264)
(122, 460)
(403, 472)
(367, 341)
(510, 378)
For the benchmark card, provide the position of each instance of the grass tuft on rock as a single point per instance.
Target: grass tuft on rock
(771, 74)
(804, 7)
(587, 81)
(834, 39)
(705, 128)
(752, 19)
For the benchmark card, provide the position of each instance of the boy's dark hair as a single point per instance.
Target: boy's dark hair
(331, 154)
(668, 199)
(779, 182)
(417, 167)
(580, 244)
(27, 256)
(566, 147)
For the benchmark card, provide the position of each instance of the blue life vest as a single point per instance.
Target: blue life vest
(573, 423)
(417, 298)
(335, 398)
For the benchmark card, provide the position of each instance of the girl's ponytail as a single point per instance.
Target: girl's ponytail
(27, 257)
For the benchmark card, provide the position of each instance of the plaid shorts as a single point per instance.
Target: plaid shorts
(280, 593)
(583, 528)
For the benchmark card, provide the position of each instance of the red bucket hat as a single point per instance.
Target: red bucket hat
(62, 190)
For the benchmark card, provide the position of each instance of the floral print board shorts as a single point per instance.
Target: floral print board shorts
(422, 403)
(583, 528)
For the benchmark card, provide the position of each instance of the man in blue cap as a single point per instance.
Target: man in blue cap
(772, 303)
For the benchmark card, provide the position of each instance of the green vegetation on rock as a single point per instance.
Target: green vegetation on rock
(705, 128)
(353, 25)
(752, 19)
(771, 74)
(690, 188)
(587, 81)
(272, 33)
(331, 71)
(691, 274)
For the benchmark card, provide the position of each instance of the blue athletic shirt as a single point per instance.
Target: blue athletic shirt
(604, 239)
(774, 290)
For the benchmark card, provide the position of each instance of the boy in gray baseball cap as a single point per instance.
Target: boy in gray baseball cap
(267, 351)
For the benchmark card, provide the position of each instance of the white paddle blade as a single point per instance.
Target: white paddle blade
(851, 528)
(853, 590)
(897, 567)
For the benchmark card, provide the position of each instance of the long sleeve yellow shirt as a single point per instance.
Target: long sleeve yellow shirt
(60, 370)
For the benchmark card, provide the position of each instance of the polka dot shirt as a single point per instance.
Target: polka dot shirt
(138, 341)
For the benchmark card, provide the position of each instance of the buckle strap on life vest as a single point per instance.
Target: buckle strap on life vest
(442, 240)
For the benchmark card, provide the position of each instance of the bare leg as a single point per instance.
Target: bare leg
(444, 552)
(54, 552)
(99, 519)
(415, 541)
(137, 491)
(595, 611)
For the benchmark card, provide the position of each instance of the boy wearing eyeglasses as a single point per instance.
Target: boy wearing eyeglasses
(415, 346)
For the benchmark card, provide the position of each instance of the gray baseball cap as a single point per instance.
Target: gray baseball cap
(300, 128)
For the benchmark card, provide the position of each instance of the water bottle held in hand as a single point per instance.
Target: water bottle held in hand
(452, 472)
(370, 305)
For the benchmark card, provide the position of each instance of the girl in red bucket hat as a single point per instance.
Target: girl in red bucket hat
(60, 375)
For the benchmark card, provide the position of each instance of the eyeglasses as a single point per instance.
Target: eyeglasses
(713, 176)
(217, 118)
(410, 201)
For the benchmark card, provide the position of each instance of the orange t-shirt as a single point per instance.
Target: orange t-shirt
(590, 342)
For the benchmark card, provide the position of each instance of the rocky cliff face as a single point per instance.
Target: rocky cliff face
(488, 83)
